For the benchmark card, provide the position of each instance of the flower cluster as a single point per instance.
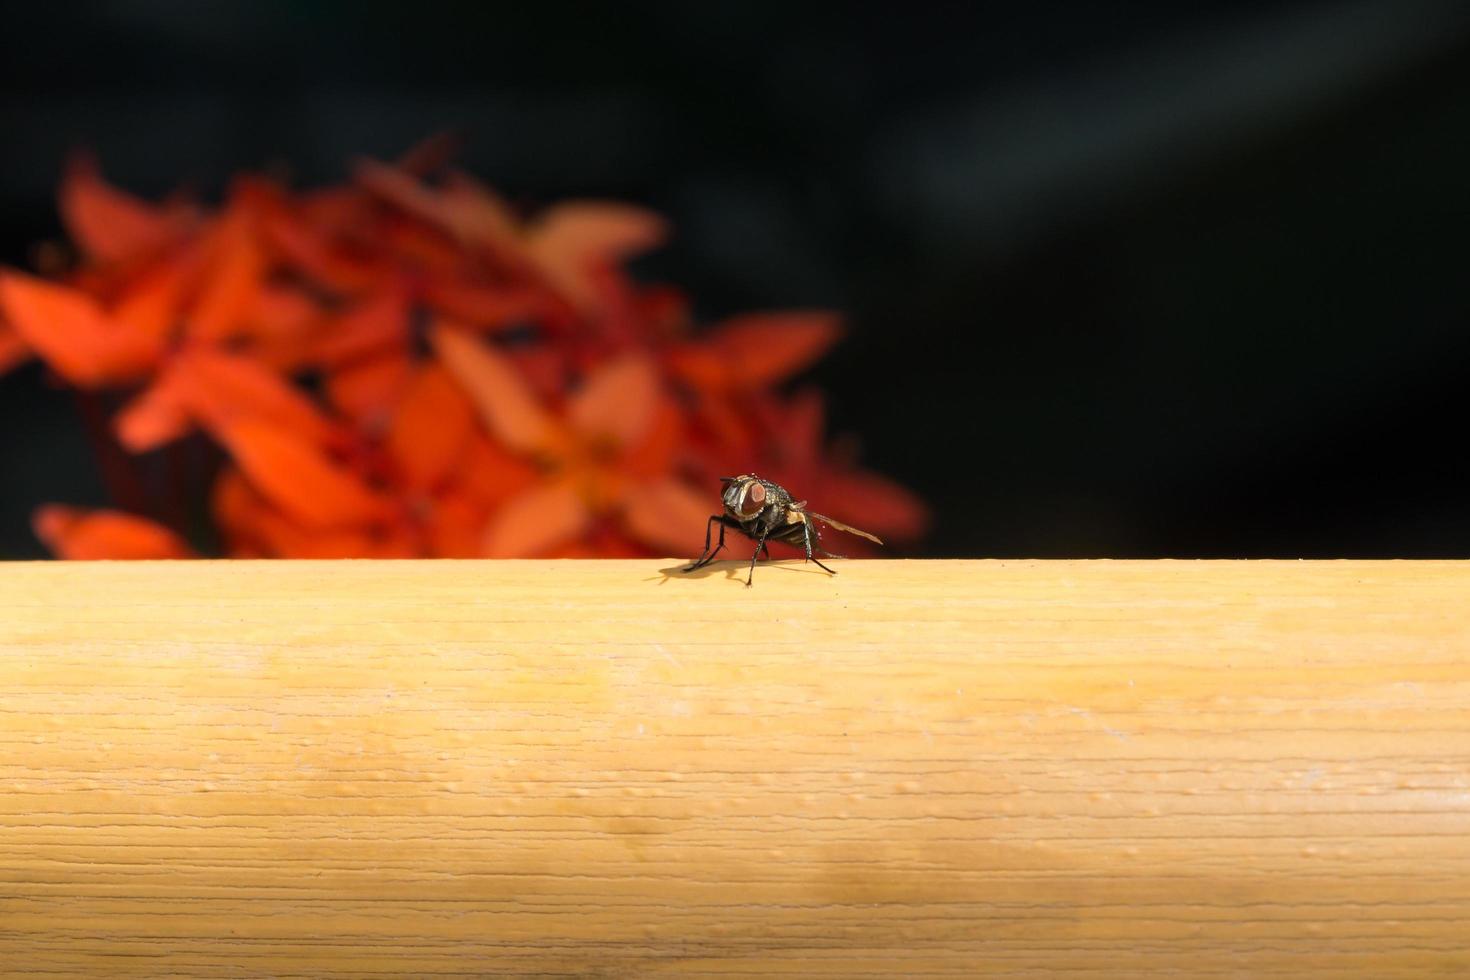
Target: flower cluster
(406, 366)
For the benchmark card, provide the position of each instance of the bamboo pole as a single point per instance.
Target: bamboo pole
(363, 769)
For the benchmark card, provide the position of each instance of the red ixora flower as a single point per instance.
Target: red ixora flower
(407, 365)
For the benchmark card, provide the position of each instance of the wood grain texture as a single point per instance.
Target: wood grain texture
(596, 769)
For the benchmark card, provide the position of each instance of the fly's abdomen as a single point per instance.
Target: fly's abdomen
(791, 534)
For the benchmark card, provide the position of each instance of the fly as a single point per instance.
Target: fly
(762, 511)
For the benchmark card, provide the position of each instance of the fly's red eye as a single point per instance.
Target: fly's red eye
(757, 494)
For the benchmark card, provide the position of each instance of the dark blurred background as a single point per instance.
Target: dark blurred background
(1132, 279)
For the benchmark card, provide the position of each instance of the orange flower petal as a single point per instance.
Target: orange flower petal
(232, 284)
(367, 390)
(603, 542)
(491, 474)
(282, 328)
(68, 330)
(86, 535)
(570, 243)
(283, 308)
(543, 369)
(700, 367)
(486, 215)
(756, 349)
(284, 538)
(800, 428)
(331, 211)
(395, 541)
(536, 522)
(156, 417)
(108, 224)
(656, 450)
(464, 210)
(618, 401)
(377, 323)
(151, 304)
(726, 428)
(403, 191)
(420, 247)
(487, 307)
(299, 478)
(669, 516)
(456, 526)
(431, 428)
(314, 254)
(507, 407)
(221, 388)
(255, 529)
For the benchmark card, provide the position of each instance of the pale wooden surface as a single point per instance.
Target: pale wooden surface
(589, 769)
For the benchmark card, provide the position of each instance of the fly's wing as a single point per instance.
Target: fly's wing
(844, 527)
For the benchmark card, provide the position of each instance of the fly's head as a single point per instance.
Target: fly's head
(745, 496)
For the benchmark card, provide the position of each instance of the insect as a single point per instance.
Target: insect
(762, 510)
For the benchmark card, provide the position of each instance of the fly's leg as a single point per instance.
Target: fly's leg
(709, 555)
(808, 538)
(758, 546)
